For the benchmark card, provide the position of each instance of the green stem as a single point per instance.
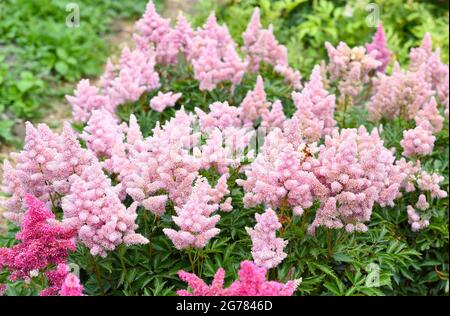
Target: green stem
(191, 261)
(124, 268)
(97, 275)
(147, 233)
(329, 243)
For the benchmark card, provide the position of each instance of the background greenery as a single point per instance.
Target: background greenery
(39, 54)
(330, 264)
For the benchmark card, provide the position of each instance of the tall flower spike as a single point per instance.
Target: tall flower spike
(255, 103)
(315, 108)
(430, 113)
(267, 249)
(379, 44)
(197, 226)
(94, 208)
(87, 98)
(252, 282)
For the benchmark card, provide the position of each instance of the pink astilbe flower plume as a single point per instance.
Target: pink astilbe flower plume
(418, 141)
(403, 94)
(164, 100)
(414, 219)
(220, 115)
(275, 117)
(255, 103)
(358, 171)
(86, 99)
(94, 208)
(352, 67)
(430, 113)
(267, 249)
(252, 282)
(260, 45)
(379, 45)
(101, 133)
(43, 242)
(152, 27)
(282, 173)
(315, 108)
(197, 226)
(213, 55)
(71, 286)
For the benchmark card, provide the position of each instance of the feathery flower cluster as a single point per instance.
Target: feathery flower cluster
(267, 249)
(94, 209)
(403, 93)
(379, 45)
(212, 52)
(358, 171)
(220, 115)
(414, 219)
(315, 108)
(120, 84)
(352, 67)
(260, 45)
(44, 242)
(255, 104)
(163, 100)
(282, 173)
(43, 167)
(418, 141)
(197, 226)
(62, 282)
(101, 132)
(252, 282)
(430, 113)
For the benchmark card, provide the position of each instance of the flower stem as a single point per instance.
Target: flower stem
(124, 268)
(97, 275)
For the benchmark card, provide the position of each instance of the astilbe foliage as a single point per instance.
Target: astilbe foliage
(252, 282)
(267, 249)
(43, 242)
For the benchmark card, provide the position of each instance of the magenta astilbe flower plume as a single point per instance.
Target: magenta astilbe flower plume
(86, 99)
(379, 45)
(220, 115)
(403, 93)
(418, 141)
(101, 132)
(43, 242)
(55, 279)
(197, 226)
(71, 286)
(267, 249)
(164, 100)
(94, 208)
(352, 67)
(430, 113)
(252, 282)
(358, 171)
(255, 103)
(315, 108)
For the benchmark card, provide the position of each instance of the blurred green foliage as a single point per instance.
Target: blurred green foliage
(38, 51)
(304, 26)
